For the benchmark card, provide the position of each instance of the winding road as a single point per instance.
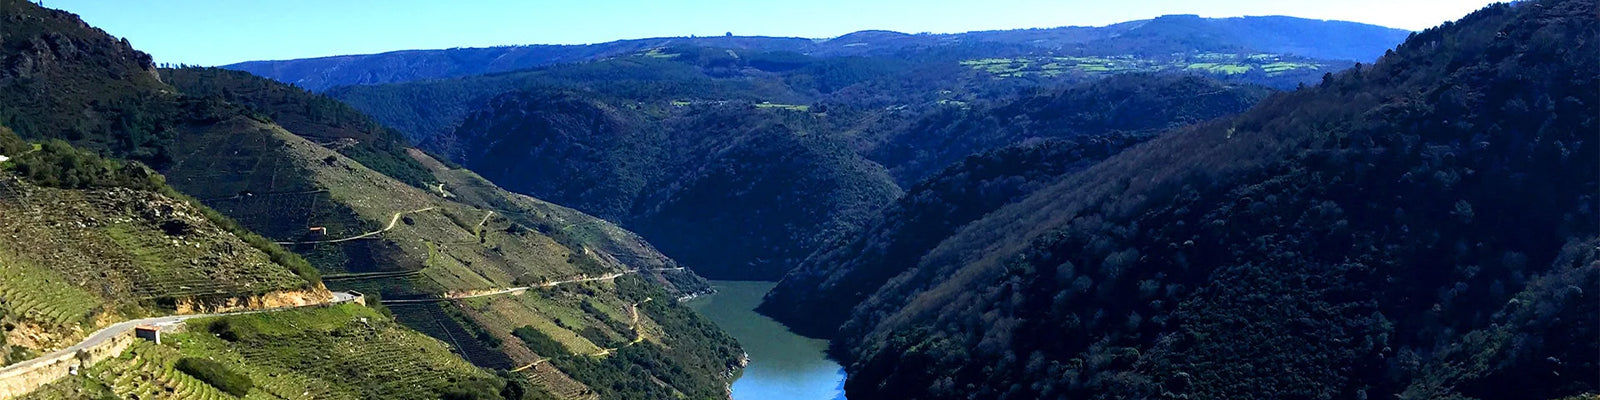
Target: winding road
(392, 221)
(117, 329)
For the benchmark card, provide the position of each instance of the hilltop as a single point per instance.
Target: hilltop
(1331, 40)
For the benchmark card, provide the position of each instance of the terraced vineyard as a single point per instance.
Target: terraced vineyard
(72, 388)
(42, 296)
(120, 241)
(339, 352)
(435, 321)
(73, 259)
(146, 371)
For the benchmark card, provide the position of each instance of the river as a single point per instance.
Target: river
(783, 365)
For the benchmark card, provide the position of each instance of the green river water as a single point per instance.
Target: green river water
(783, 365)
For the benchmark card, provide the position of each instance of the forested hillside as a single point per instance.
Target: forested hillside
(1329, 40)
(1047, 134)
(1423, 227)
(704, 183)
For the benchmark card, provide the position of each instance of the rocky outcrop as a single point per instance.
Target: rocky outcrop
(266, 301)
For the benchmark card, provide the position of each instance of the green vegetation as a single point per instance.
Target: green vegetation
(1415, 228)
(148, 371)
(345, 351)
(216, 375)
(316, 117)
(790, 107)
(11, 145)
(1215, 64)
(142, 249)
(603, 158)
(540, 342)
(58, 164)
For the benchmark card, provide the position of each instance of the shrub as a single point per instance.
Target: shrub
(10, 144)
(539, 342)
(216, 375)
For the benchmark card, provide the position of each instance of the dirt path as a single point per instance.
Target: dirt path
(478, 230)
(515, 290)
(392, 221)
(638, 336)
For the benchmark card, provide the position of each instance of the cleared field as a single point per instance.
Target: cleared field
(1222, 64)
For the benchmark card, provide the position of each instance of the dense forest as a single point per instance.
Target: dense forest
(1422, 227)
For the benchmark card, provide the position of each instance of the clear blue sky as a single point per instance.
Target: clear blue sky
(215, 32)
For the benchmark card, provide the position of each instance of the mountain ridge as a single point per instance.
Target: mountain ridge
(322, 73)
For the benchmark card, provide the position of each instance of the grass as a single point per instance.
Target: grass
(1221, 68)
(148, 371)
(790, 107)
(42, 296)
(325, 352)
(345, 351)
(1210, 63)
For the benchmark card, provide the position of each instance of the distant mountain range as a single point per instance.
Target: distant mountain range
(1317, 39)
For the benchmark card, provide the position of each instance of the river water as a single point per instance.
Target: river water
(783, 365)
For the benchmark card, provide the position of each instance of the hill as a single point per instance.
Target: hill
(1017, 146)
(1331, 40)
(1416, 228)
(655, 170)
(700, 179)
(317, 118)
(91, 242)
(475, 273)
(337, 352)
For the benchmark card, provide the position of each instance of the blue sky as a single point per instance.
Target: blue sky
(215, 32)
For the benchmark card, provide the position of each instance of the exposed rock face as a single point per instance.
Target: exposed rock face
(267, 301)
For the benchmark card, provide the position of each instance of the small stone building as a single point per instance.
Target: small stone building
(147, 332)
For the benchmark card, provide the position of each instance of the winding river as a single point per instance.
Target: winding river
(783, 365)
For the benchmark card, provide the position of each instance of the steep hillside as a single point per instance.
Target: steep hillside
(91, 242)
(1332, 40)
(337, 352)
(1418, 228)
(840, 275)
(656, 169)
(317, 118)
(55, 70)
(473, 275)
(1135, 104)
(699, 180)
(1048, 134)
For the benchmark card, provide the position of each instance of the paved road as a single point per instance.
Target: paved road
(122, 327)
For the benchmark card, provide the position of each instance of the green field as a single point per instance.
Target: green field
(1209, 63)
